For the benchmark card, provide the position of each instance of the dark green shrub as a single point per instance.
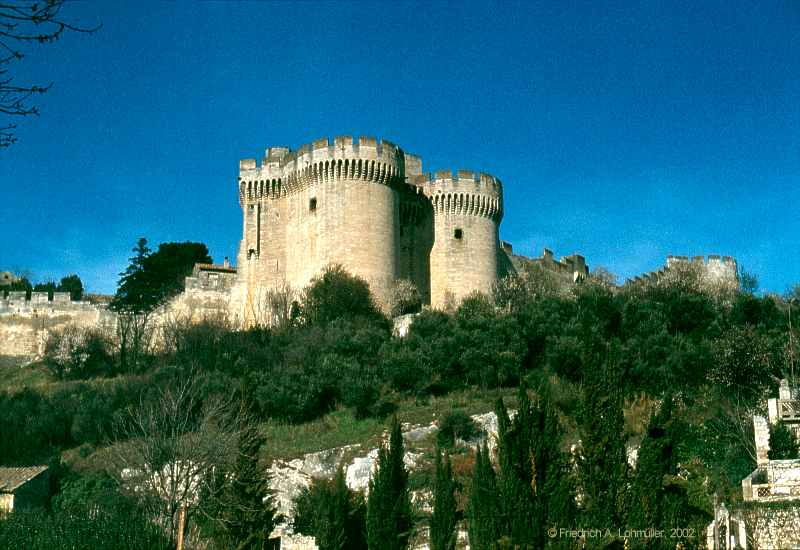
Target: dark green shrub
(455, 424)
(782, 444)
(98, 529)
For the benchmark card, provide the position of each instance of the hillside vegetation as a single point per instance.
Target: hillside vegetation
(672, 369)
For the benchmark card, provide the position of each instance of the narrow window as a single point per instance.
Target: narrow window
(458, 234)
(312, 204)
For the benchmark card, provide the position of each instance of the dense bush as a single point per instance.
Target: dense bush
(36, 426)
(455, 424)
(89, 512)
(336, 294)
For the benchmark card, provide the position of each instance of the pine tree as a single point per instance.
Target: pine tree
(131, 292)
(389, 503)
(484, 522)
(443, 521)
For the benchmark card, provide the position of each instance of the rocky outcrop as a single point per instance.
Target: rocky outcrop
(289, 478)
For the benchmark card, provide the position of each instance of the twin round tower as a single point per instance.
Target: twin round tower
(367, 206)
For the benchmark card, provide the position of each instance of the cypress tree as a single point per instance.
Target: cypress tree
(332, 514)
(484, 524)
(443, 521)
(603, 460)
(535, 482)
(516, 480)
(389, 504)
(248, 513)
(653, 463)
(556, 484)
(782, 444)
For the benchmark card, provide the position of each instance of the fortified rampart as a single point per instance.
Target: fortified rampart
(26, 323)
(569, 269)
(714, 272)
(366, 205)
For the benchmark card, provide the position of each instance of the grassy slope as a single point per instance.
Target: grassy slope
(340, 428)
(15, 375)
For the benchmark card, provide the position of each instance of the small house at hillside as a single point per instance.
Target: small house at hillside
(22, 488)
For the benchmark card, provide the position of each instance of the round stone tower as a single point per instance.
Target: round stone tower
(467, 210)
(326, 203)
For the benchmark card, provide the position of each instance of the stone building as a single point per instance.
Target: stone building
(759, 523)
(23, 488)
(368, 206)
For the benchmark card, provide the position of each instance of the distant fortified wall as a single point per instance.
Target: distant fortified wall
(25, 324)
(716, 272)
(366, 205)
(569, 269)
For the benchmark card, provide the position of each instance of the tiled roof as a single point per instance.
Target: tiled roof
(13, 478)
(215, 267)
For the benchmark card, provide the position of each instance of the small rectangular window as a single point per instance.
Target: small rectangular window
(312, 204)
(458, 234)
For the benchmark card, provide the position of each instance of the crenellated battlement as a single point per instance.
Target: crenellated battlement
(40, 303)
(463, 193)
(283, 171)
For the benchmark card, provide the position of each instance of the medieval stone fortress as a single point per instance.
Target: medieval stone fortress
(364, 204)
(367, 205)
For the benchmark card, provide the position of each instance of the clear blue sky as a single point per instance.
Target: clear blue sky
(622, 133)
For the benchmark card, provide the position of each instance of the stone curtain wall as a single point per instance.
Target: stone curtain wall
(26, 324)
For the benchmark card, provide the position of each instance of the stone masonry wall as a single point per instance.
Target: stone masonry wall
(366, 205)
(26, 324)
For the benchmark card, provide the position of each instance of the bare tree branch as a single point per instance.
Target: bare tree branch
(23, 22)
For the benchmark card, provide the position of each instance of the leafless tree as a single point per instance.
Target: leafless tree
(270, 307)
(735, 423)
(21, 22)
(405, 298)
(175, 453)
(134, 336)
